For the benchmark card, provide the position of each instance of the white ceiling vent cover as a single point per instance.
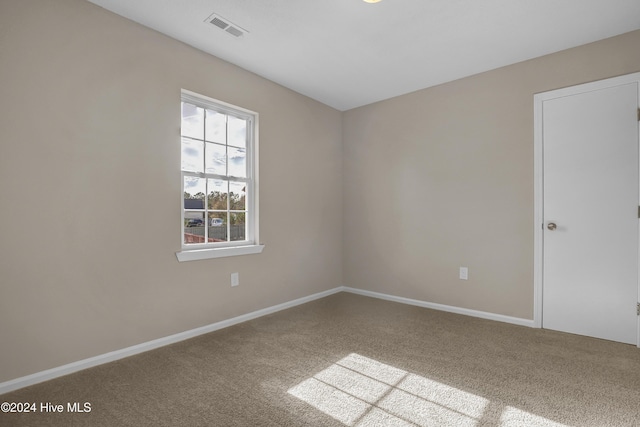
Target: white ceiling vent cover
(226, 25)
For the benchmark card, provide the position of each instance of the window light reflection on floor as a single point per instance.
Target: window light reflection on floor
(359, 391)
(513, 417)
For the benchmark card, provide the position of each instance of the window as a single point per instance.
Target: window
(219, 180)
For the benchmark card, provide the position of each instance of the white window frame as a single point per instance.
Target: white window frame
(251, 245)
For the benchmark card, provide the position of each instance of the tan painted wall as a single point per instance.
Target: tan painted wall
(443, 178)
(90, 188)
(89, 157)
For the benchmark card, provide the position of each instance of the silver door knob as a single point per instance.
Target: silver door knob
(552, 226)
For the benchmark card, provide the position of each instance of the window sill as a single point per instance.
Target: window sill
(198, 254)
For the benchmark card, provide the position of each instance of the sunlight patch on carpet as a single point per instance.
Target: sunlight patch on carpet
(358, 391)
(513, 417)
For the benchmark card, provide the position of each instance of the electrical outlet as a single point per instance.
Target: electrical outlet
(235, 279)
(464, 273)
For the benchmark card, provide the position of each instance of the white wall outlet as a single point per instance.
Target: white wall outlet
(235, 279)
(464, 273)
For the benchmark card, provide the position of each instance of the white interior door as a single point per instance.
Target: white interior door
(590, 212)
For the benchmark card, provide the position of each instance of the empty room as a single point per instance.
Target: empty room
(319, 213)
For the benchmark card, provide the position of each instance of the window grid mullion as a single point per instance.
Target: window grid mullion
(228, 213)
(215, 176)
(206, 180)
(226, 153)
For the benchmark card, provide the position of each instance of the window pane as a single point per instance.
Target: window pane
(192, 155)
(237, 196)
(217, 196)
(237, 162)
(217, 227)
(193, 227)
(216, 127)
(237, 132)
(216, 159)
(192, 121)
(238, 226)
(194, 191)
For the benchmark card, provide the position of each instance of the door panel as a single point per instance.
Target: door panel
(590, 187)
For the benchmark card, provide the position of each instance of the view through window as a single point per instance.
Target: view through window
(217, 173)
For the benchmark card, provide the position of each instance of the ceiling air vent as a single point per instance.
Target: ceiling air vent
(219, 23)
(226, 25)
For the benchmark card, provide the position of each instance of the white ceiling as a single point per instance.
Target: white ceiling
(348, 53)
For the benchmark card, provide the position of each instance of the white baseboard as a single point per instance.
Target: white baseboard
(442, 307)
(49, 374)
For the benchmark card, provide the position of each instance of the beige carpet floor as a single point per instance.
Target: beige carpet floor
(349, 360)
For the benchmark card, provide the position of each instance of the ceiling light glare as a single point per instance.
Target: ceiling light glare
(371, 1)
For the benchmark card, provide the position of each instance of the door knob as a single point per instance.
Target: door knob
(552, 226)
